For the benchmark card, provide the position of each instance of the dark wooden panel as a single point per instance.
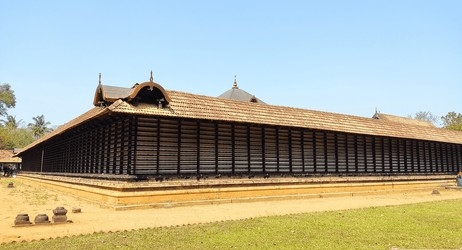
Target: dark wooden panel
(207, 147)
(271, 150)
(225, 148)
(256, 151)
(296, 143)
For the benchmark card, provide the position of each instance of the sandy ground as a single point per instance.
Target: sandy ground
(94, 218)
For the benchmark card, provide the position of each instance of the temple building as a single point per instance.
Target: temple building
(145, 130)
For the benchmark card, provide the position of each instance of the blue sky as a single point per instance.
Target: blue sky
(347, 57)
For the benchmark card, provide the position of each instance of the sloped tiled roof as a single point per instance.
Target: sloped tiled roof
(405, 120)
(186, 105)
(235, 93)
(90, 114)
(6, 156)
(110, 94)
(193, 106)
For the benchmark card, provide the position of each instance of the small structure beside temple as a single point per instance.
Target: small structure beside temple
(9, 164)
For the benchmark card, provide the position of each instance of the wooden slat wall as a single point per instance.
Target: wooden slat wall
(271, 150)
(241, 148)
(256, 149)
(296, 151)
(207, 148)
(166, 146)
(146, 153)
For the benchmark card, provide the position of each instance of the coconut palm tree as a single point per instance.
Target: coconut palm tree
(40, 126)
(11, 122)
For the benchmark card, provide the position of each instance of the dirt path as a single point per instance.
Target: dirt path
(93, 218)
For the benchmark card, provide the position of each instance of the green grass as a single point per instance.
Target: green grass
(434, 225)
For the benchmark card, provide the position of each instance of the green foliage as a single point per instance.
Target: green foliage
(15, 137)
(11, 122)
(40, 126)
(7, 98)
(452, 121)
(433, 225)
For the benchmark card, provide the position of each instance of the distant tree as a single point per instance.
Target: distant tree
(7, 98)
(40, 126)
(15, 138)
(11, 122)
(11, 136)
(452, 121)
(426, 116)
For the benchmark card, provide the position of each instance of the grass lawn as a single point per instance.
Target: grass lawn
(434, 225)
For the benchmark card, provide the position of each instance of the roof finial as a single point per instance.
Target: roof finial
(99, 79)
(235, 83)
(151, 78)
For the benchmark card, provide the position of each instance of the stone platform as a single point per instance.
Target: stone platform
(126, 193)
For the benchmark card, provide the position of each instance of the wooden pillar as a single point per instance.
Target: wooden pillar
(365, 153)
(398, 154)
(438, 159)
(105, 159)
(430, 154)
(374, 155)
(418, 155)
(390, 155)
(405, 156)
(426, 163)
(355, 138)
(448, 162)
(115, 147)
(216, 147)
(277, 150)
(302, 145)
(290, 150)
(458, 156)
(233, 149)
(41, 159)
(347, 163)
(122, 146)
(315, 165)
(94, 149)
(178, 150)
(263, 149)
(134, 149)
(326, 158)
(336, 152)
(158, 147)
(412, 156)
(249, 163)
(198, 148)
(382, 141)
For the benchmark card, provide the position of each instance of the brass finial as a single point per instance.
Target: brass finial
(235, 83)
(99, 79)
(151, 79)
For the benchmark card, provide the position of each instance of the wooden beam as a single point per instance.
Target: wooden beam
(198, 148)
(263, 149)
(178, 150)
(315, 165)
(302, 144)
(249, 163)
(290, 150)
